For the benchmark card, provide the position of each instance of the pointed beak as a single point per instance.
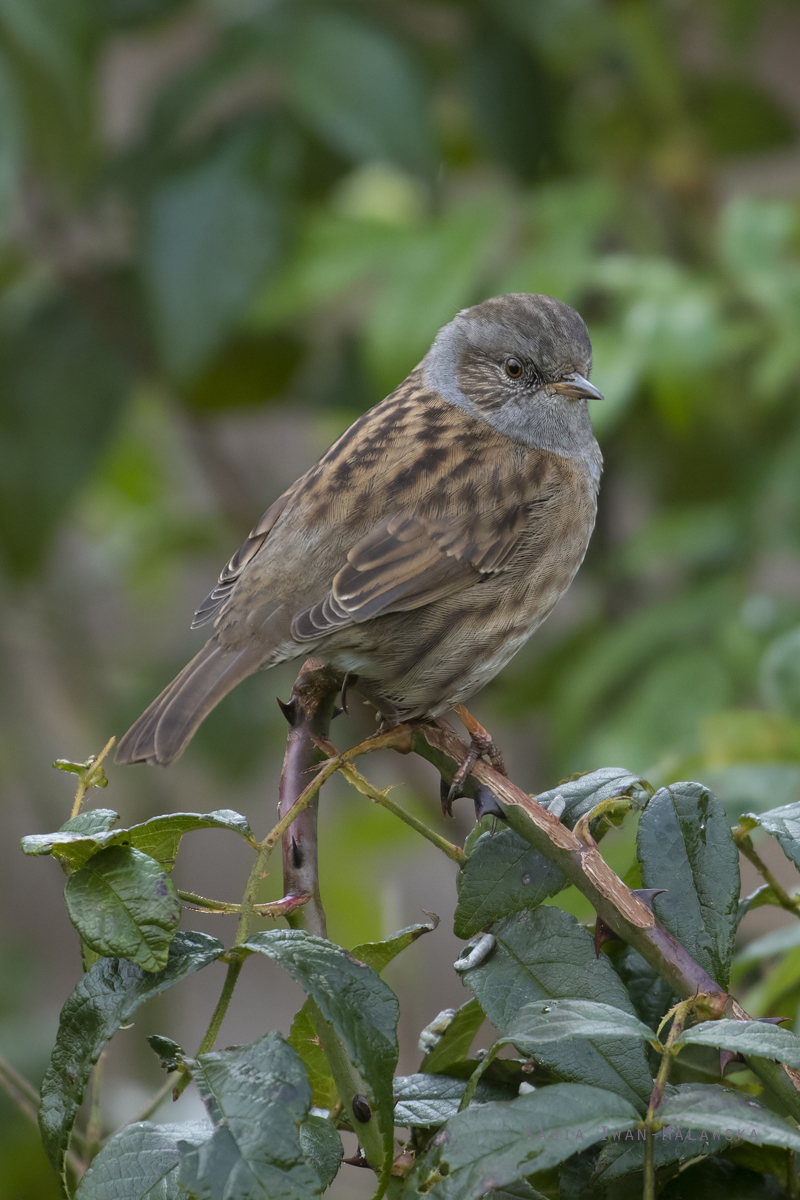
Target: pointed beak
(576, 386)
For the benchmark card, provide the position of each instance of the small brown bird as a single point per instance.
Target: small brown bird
(427, 544)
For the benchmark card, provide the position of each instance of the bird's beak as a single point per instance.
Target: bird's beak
(575, 386)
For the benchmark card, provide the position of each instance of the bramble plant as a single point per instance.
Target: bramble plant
(618, 1042)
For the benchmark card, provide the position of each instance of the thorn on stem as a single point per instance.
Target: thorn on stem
(358, 1160)
(297, 855)
(486, 804)
(603, 933)
(647, 895)
(289, 709)
(726, 1057)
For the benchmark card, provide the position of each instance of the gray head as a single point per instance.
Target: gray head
(520, 362)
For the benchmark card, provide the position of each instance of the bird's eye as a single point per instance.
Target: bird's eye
(513, 368)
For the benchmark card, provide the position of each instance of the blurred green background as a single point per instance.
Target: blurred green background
(226, 229)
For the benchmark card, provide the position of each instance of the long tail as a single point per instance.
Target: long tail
(165, 729)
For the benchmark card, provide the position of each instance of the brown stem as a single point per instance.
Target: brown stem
(615, 904)
(309, 714)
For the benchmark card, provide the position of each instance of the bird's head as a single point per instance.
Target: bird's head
(520, 362)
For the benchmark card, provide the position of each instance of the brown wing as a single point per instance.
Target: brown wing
(214, 602)
(407, 561)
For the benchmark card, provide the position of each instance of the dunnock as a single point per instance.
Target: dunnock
(428, 543)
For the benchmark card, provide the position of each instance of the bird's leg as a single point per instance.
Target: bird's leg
(481, 745)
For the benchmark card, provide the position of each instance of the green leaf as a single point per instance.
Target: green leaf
(123, 904)
(620, 1157)
(140, 1163)
(76, 841)
(502, 875)
(757, 899)
(160, 836)
(105, 998)
(212, 234)
(427, 1100)
(303, 1035)
(684, 844)
(454, 1033)
(575, 798)
(547, 955)
(560, 1020)
(322, 1147)
(360, 90)
(303, 1038)
(353, 999)
(717, 1109)
(63, 391)
(88, 823)
(784, 825)
(491, 1145)
(257, 1097)
(746, 1037)
(379, 954)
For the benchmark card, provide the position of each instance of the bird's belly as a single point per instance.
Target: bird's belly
(421, 663)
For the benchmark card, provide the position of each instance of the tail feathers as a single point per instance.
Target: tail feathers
(165, 729)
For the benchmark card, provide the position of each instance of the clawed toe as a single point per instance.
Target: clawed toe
(481, 745)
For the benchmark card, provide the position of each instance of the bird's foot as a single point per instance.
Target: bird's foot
(481, 745)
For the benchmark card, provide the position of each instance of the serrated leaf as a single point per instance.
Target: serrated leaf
(141, 1163)
(90, 822)
(784, 825)
(361, 1009)
(160, 836)
(546, 955)
(106, 997)
(746, 1037)
(492, 1145)
(322, 1147)
(379, 954)
(502, 875)
(717, 1109)
(454, 1043)
(558, 1020)
(577, 797)
(76, 842)
(123, 904)
(427, 1100)
(303, 1035)
(257, 1097)
(684, 845)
